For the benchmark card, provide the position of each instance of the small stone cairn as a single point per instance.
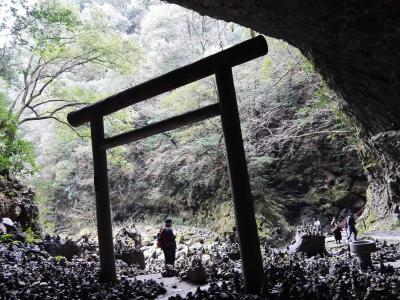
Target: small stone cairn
(128, 242)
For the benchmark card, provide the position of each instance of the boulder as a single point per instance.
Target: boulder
(196, 274)
(59, 247)
(308, 244)
(8, 222)
(17, 203)
(128, 247)
(180, 247)
(149, 253)
(7, 226)
(182, 253)
(128, 237)
(196, 247)
(234, 255)
(132, 257)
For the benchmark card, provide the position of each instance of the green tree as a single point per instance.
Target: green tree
(14, 151)
(59, 45)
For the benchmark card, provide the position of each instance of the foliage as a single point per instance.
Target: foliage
(30, 236)
(59, 258)
(58, 50)
(6, 238)
(43, 26)
(14, 151)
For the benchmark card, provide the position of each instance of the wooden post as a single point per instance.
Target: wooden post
(103, 209)
(250, 253)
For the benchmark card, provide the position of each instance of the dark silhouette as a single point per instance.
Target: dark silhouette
(233, 236)
(351, 226)
(336, 230)
(166, 241)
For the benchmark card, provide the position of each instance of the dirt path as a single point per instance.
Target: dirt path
(173, 285)
(390, 236)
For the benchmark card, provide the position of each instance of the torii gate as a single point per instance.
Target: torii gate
(220, 65)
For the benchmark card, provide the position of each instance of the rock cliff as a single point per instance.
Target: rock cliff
(17, 202)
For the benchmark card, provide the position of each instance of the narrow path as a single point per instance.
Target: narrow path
(390, 236)
(385, 235)
(173, 285)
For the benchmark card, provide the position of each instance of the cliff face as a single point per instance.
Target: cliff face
(355, 46)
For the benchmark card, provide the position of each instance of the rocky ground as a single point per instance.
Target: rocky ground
(28, 271)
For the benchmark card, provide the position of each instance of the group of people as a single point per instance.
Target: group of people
(166, 237)
(350, 228)
(314, 228)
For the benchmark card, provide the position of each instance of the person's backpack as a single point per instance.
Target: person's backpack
(166, 238)
(159, 241)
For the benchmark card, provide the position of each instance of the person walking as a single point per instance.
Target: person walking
(336, 230)
(351, 226)
(317, 226)
(166, 241)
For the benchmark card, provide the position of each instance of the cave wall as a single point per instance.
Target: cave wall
(355, 46)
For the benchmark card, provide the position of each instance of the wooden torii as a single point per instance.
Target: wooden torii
(220, 65)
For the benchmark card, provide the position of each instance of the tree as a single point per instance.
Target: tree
(59, 45)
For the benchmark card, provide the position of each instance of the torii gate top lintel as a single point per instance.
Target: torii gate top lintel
(207, 66)
(220, 65)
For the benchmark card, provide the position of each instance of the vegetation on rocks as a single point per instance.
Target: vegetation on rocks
(17, 202)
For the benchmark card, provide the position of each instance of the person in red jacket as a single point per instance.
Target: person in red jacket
(166, 241)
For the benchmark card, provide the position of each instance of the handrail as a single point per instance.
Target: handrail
(230, 57)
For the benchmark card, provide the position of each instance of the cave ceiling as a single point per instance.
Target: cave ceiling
(354, 44)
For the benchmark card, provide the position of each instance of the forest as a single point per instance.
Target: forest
(304, 152)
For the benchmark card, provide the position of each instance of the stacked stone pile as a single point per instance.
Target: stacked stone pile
(299, 277)
(29, 272)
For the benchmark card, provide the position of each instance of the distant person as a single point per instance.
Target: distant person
(396, 211)
(351, 226)
(233, 237)
(166, 241)
(317, 225)
(336, 229)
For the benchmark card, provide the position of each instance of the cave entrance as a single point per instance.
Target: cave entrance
(220, 65)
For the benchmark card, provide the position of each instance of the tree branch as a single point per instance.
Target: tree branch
(58, 120)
